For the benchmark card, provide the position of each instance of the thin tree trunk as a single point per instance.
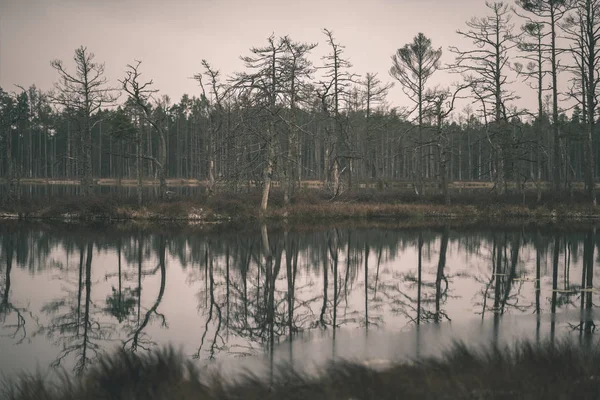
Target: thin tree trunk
(162, 163)
(138, 167)
(268, 174)
(556, 145)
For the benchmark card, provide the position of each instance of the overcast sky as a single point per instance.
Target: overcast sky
(172, 37)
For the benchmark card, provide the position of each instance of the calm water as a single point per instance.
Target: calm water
(70, 293)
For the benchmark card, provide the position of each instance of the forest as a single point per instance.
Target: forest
(287, 119)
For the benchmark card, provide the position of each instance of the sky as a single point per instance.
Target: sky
(172, 37)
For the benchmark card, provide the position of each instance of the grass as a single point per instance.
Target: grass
(309, 205)
(524, 371)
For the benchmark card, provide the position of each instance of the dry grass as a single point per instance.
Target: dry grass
(524, 371)
(310, 205)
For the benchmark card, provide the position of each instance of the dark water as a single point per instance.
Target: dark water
(70, 293)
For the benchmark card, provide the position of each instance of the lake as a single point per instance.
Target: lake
(247, 295)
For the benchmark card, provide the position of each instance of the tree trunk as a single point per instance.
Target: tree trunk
(99, 172)
(591, 108)
(440, 274)
(138, 168)
(326, 162)
(86, 181)
(68, 155)
(590, 161)
(211, 175)
(162, 161)
(444, 174)
(46, 154)
(10, 173)
(288, 172)
(268, 175)
(501, 178)
(336, 177)
(555, 131)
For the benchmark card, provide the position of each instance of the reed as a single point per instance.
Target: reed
(525, 370)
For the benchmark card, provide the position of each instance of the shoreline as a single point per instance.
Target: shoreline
(334, 212)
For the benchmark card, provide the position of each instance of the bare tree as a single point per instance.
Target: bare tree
(264, 87)
(439, 103)
(549, 13)
(212, 100)
(298, 69)
(18, 329)
(412, 66)
(532, 44)
(83, 93)
(335, 86)
(140, 95)
(486, 67)
(583, 27)
(13, 111)
(374, 93)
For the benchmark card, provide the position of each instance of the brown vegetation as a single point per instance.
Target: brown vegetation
(526, 371)
(309, 205)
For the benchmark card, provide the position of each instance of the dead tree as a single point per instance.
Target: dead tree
(298, 69)
(140, 95)
(83, 94)
(374, 92)
(334, 86)
(583, 28)
(212, 100)
(486, 67)
(549, 13)
(532, 44)
(439, 103)
(412, 66)
(262, 87)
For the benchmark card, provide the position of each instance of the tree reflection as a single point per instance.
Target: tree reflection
(15, 330)
(260, 302)
(588, 256)
(587, 325)
(214, 310)
(262, 286)
(262, 317)
(74, 325)
(441, 295)
(503, 286)
(121, 303)
(420, 295)
(138, 337)
(372, 303)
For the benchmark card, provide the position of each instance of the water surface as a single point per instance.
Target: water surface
(70, 293)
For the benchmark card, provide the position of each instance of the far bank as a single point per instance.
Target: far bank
(307, 204)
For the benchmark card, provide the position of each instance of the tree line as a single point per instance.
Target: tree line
(286, 118)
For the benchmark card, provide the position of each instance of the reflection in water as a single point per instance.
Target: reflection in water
(137, 337)
(82, 291)
(16, 328)
(73, 321)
